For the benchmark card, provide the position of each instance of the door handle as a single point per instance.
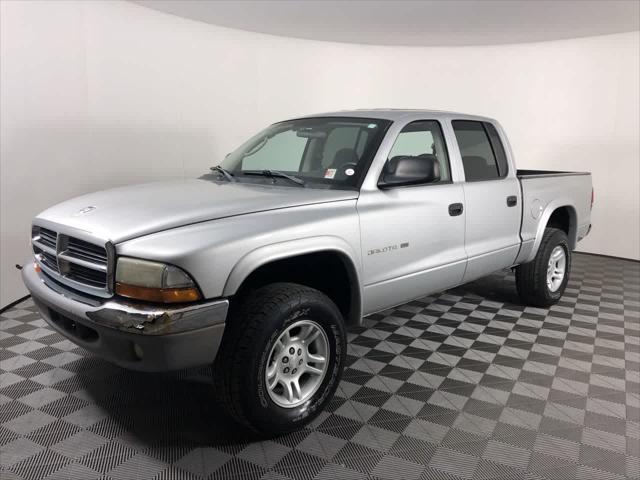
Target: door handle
(512, 201)
(456, 209)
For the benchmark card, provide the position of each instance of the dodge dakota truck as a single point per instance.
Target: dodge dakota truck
(257, 267)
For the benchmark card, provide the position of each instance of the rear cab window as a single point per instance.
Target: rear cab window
(483, 155)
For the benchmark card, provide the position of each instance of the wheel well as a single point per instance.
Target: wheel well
(330, 272)
(564, 218)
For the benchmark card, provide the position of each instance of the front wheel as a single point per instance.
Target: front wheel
(542, 281)
(281, 358)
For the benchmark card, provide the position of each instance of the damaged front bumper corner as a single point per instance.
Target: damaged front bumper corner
(135, 336)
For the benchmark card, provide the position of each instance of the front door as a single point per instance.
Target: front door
(413, 236)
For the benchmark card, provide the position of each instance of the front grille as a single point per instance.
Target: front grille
(48, 237)
(79, 264)
(87, 275)
(50, 261)
(86, 251)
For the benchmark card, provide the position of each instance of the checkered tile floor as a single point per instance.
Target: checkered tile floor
(465, 384)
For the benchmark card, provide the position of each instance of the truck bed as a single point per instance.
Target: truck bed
(542, 192)
(522, 174)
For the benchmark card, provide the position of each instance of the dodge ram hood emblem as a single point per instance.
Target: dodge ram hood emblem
(85, 210)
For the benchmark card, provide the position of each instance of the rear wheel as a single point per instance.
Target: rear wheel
(281, 357)
(542, 281)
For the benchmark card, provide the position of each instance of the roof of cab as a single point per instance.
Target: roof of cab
(394, 114)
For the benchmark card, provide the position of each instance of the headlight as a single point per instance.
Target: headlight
(154, 282)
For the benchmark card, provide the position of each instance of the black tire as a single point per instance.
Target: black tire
(531, 278)
(252, 330)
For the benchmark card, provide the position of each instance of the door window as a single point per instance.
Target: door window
(498, 149)
(423, 139)
(478, 157)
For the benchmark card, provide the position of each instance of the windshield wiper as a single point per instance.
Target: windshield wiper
(276, 173)
(225, 173)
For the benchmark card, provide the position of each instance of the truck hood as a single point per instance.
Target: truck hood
(128, 212)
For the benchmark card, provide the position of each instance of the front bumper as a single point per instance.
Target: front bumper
(136, 336)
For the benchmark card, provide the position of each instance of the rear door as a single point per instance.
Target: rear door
(492, 199)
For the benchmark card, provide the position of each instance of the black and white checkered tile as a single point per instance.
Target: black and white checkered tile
(468, 384)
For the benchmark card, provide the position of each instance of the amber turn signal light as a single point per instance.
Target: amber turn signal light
(158, 295)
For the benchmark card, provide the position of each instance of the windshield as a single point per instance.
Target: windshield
(321, 152)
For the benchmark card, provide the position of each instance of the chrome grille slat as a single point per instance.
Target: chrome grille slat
(85, 255)
(45, 247)
(90, 248)
(82, 262)
(48, 238)
(87, 275)
(78, 263)
(50, 261)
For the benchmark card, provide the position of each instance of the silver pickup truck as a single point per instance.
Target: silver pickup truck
(257, 267)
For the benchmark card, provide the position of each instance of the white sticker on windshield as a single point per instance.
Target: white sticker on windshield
(330, 173)
(349, 171)
(372, 125)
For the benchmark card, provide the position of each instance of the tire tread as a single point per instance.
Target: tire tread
(243, 324)
(531, 277)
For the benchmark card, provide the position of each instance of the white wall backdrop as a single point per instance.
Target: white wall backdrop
(99, 94)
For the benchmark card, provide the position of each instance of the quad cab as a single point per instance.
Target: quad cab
(260, 265)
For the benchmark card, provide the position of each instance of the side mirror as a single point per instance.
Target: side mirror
(407, 170)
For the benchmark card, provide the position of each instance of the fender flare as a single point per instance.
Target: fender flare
(544, 220)
(266, 254)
